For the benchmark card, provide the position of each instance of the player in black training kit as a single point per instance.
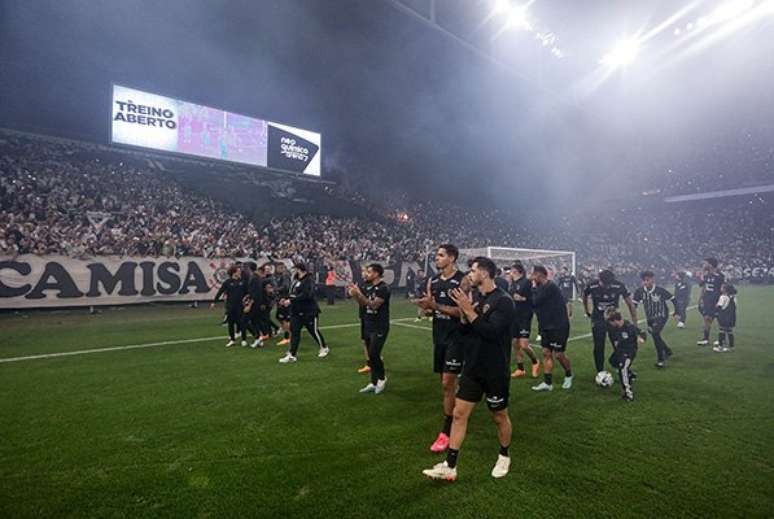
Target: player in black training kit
(654, 299)
(711, 281)
(521, 292)
(682, 297)
(554, 326)
(604, 294)
(235, 289)
(282, 292)
(252, 304)
(487, 317)
(374, 299)
(304, 312)
(726, 318)
(625, 338)
(567, 283)
(448, 351)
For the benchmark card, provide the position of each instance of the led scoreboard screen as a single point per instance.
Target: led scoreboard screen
(162, 123)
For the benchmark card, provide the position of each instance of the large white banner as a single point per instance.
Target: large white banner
(31, 281)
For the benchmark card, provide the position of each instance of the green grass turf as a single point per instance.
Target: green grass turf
(195, 430)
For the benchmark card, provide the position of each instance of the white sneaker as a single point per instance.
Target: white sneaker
(681, 324)
(702, 342)
(244, 343)
(726, 349)
(718, 349)
(380, 386)
(370, 388)
(287, 359)
(230, 344)
(257, 344)
(543, 387)
(716, 343)
(324, 352)
(441, 471)
(502, 466)
(567, 384)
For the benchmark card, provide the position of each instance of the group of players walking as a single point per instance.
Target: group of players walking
(478, 320)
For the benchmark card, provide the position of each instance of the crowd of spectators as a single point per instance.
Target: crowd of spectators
(56, 198)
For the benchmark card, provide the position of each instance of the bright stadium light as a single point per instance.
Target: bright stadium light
(622, 54)
(518, 17)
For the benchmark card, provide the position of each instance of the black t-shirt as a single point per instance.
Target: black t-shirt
(235, 291)
(378, 319)
(445, 327)
(550, 307)
(522, 287)
(711, 282)
(501, 283)
(682, 289)
(654, 301)
(488, 339)
(302, 299)
(566, 282)
(604, 297)
(625, 338)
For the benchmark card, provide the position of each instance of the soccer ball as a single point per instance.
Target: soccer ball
(604, 379)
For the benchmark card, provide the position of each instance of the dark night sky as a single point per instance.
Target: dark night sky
(395, 102)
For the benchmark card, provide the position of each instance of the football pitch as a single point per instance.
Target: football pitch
(177, 425)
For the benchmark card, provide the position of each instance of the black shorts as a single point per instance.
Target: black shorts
(448, 356)
(496, 388)
(283, 313)
(567, 295)
(555, 340)
(521, 327)
(709, 309)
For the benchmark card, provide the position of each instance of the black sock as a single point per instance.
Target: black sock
(447, 423)
(504, 450)
(730, 340)
(706, 334)
(568, 373)
(286, 335)
(451, 457)
(548, 378)
(721, 339)
(533, 359)
(520, 365)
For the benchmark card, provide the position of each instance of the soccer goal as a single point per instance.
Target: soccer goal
(504, 257)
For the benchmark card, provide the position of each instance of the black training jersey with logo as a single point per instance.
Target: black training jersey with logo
(302, 299)
(625, 338)
(488, 339)
(550, 307)
(682, 290)
(445, 327)
(378, 319)
(711, 282)
(566, 282)
(604, 297)
(522, 287)
(654, 301)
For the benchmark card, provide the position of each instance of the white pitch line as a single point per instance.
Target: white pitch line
(220, 337)
(154, 344)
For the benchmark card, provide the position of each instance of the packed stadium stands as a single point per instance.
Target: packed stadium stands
(62, 197)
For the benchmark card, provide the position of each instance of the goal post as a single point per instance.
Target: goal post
(504, 257)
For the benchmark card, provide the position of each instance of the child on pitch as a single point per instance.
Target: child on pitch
(626, 337)
(726, 318)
